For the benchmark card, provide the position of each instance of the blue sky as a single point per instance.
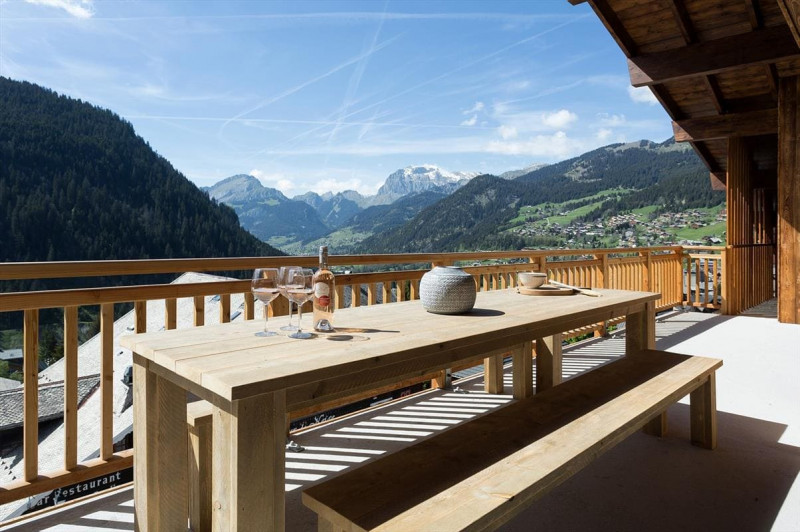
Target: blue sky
(331, 95)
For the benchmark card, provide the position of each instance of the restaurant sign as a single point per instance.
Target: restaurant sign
(81, 489)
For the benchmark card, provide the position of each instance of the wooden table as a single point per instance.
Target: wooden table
(253, 382)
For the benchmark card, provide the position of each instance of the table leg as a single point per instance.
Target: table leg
(548, 362)
(522, 370)
(248, 464)
(640, 330)
(159, 436)
(493, 374)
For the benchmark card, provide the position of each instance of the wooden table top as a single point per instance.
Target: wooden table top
(233, 363)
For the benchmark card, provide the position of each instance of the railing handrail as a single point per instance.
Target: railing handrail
(108, 268)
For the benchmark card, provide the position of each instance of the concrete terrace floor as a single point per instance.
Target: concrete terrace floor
(749, 483)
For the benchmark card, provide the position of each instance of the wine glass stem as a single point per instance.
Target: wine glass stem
(291, 312)
(266, 317)
(299, 318)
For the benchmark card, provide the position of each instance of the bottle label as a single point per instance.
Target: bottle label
(323, 294)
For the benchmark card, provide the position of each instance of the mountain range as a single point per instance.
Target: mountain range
(426, 208)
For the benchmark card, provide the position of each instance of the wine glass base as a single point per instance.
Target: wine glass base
(301, 335)
(266, 333)
(289, 328)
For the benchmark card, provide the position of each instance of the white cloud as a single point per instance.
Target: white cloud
(507, 132)
(642, 95)
(274, 180)
(559, 119)
(76, 8)
(478, 107)
(338, 185)
(557, 145)
(603, 134)
(612, 120)
(470, 121)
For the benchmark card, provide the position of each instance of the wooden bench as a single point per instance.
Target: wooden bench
(480, 474)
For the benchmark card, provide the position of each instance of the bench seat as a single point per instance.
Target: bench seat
(480, 474)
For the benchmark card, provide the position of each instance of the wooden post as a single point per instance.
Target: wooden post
(30, 362)
(248, 461)
(789, 201)
(140, 308)
(703, 414)
(199, 473)
(493, 374)
(249, 306)
(107, 380)
(170, 313)
(640, 331)
(159, 435)
(224, 308)
(522, 368)
(199, 311)
(70, 387)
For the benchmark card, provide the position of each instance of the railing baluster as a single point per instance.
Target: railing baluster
(372, 293)
(199, 311)
(31, 394)
(401, 290)
(224, 308)
(170, 313)
(107, 380)
(339, 296)
(140, 308)
(355, 295)
(414, 288)
(70, 387)
(249, 306)
(386, 292)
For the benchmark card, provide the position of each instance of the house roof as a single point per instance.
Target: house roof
(714, 65)
(51, 401)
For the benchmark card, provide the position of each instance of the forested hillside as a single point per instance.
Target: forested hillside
(77, 183)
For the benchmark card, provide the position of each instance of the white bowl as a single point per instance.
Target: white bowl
(531, 279)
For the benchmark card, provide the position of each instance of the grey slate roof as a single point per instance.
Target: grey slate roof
(51, 401)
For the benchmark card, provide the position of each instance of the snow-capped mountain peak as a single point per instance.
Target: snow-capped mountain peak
(412, 179)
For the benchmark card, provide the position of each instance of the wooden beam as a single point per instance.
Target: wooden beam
(666, 101)
(718, 180)
(791, 12)
(772, 80)
(705, 155)
(713, 57)
(614, 26)
(725, 126)
(716, 94)
(683, 20)
(754, 14)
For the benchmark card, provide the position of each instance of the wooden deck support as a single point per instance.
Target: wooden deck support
(789, 201)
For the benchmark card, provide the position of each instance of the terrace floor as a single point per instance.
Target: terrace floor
(750, 482)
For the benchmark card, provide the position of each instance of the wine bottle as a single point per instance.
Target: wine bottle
(324, 294)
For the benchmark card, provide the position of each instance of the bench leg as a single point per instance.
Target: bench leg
(657, 426)
(493, 374)
(548, 362)
(703, 412)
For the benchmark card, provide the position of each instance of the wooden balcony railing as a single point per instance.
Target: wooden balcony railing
(653, 269)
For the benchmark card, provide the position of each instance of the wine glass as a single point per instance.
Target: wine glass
(300, 289)
(285, 273)
(265, 289)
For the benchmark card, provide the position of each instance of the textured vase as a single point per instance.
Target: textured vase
(447, 290)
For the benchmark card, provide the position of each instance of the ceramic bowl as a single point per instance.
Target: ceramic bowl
(531, 279)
